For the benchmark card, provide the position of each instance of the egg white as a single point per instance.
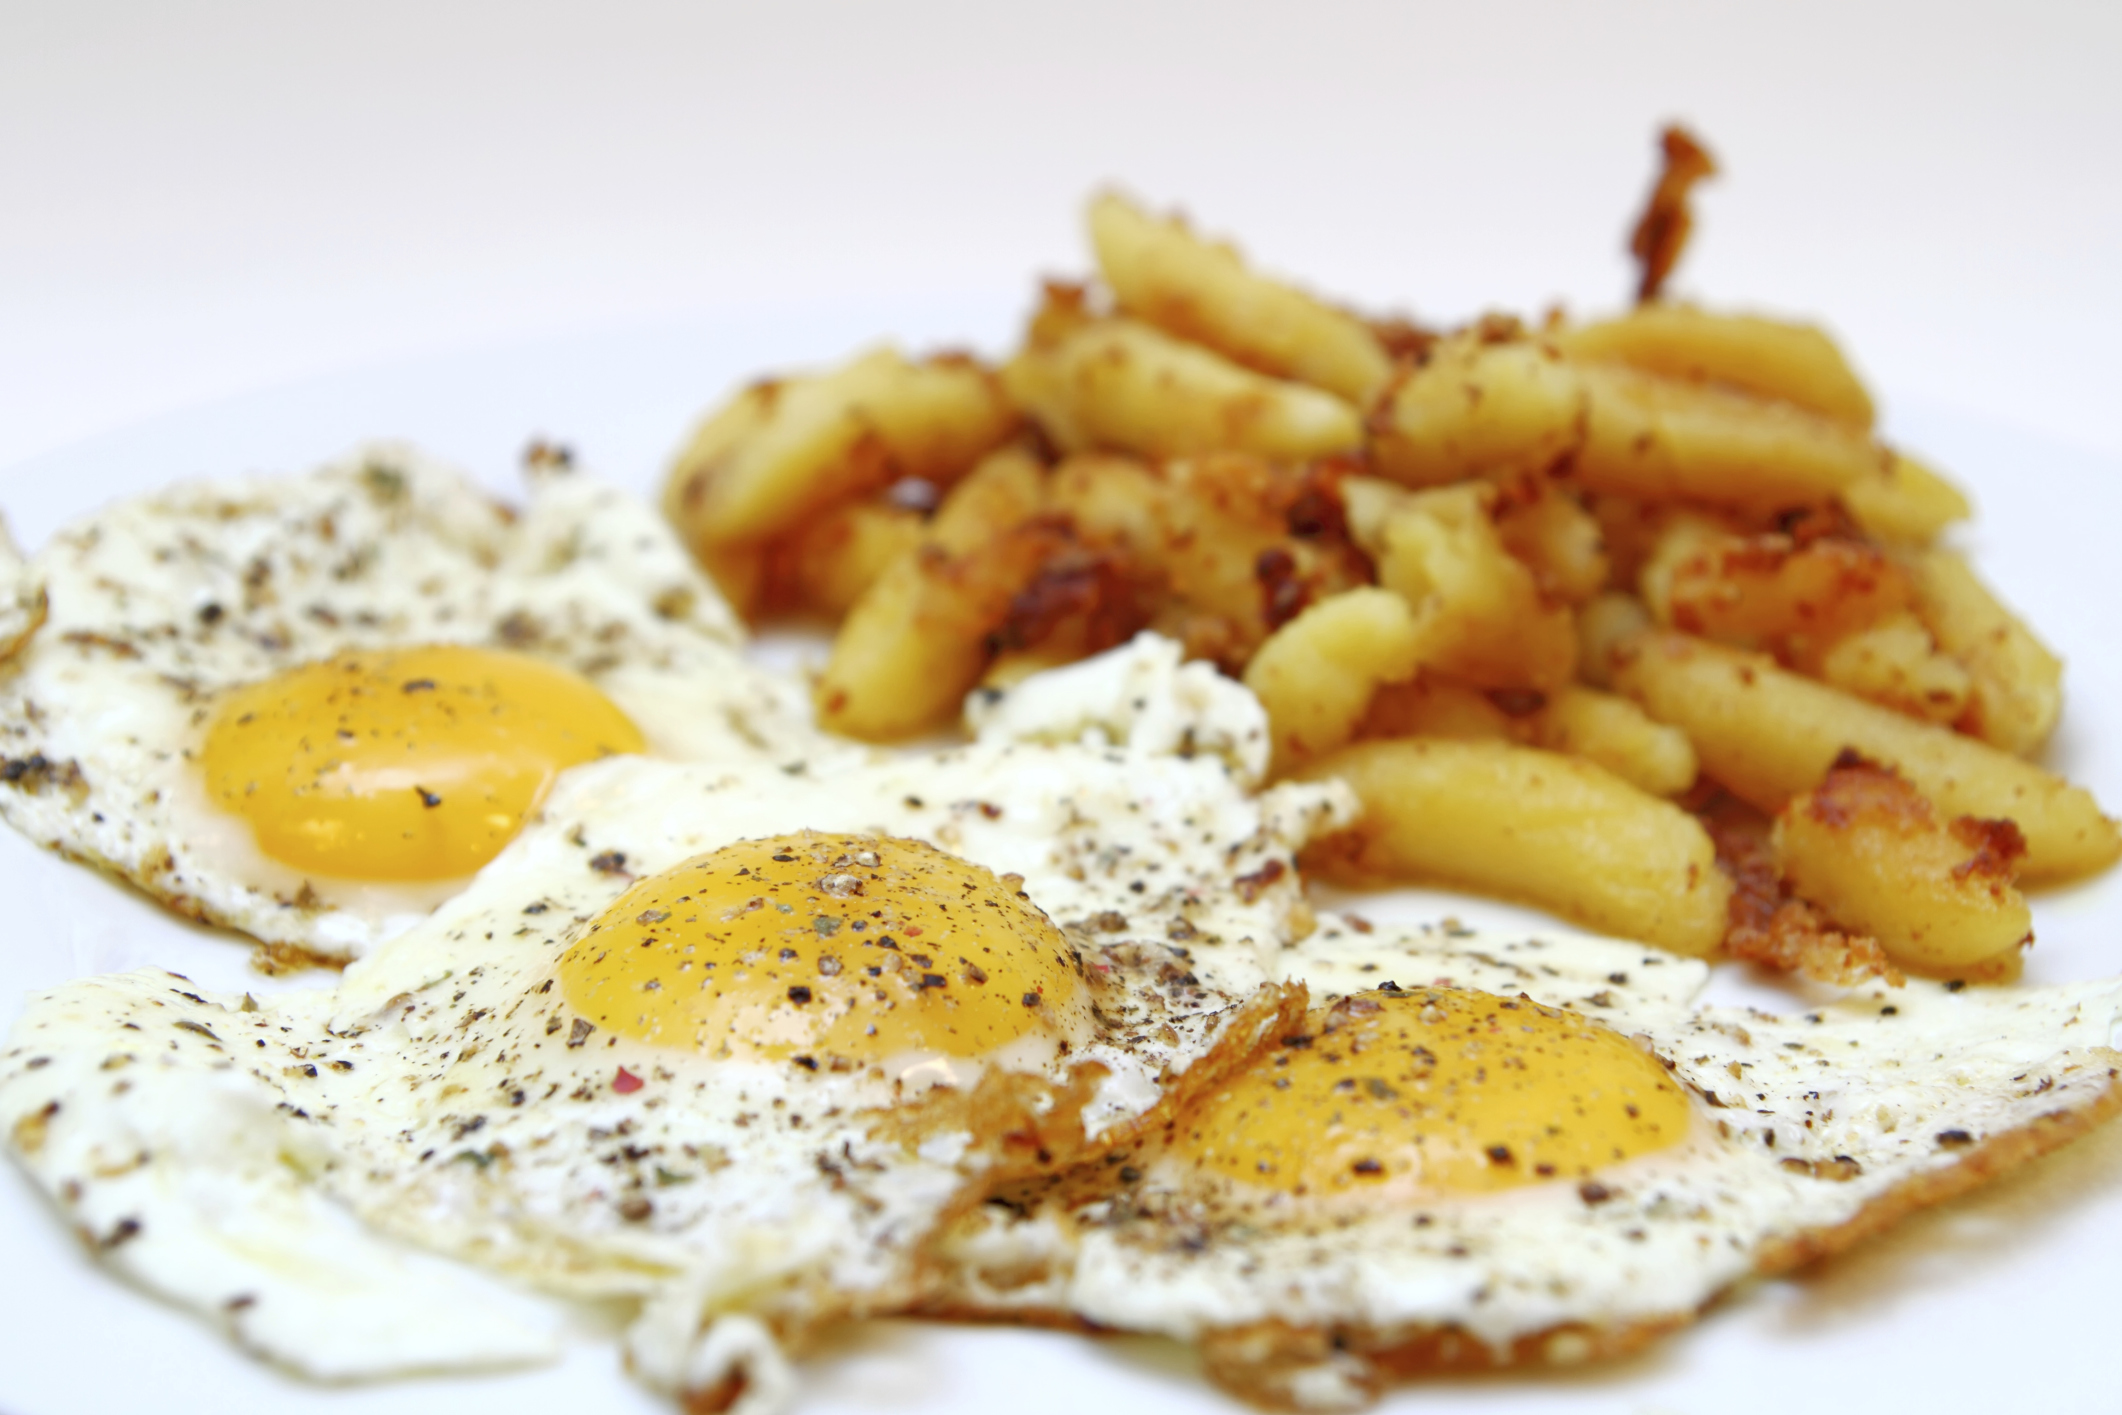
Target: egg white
(440, 1101)
(1801, 1124)
(161, 603)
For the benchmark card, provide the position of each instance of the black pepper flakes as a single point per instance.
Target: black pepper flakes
(799, 995)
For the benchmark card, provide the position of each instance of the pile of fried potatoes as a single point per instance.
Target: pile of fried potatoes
(1634, 620)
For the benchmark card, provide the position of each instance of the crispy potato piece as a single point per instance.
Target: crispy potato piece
(917, 640)
(1128, 386)
(1769, 591)
(1660, 233)
(1618, 735)
(1482, 616)
(1904, 502)
(786, 449)
(2017, 691)
(1533, 825)
(1768, 735)
(826, 565)
(1201, 290)
(1770, 358)
(1659, 438)
(1557, 539)
(1603, 626)
(1316, 674)
(1866, 847)
(1213, 538)
(1896, 664)
(1481, 401)
(1770, 925)
(1430, 705)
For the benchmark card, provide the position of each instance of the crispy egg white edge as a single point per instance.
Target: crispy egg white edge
(108, 692)
(1046, 797)
(1878, 1075)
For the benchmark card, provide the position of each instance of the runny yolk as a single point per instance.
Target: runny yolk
(1438, 1089)
(410, 764)
(824, 948)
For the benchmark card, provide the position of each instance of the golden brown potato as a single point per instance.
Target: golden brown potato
(1602, 627)
(1315, 675)
(1201, 290)
(1430, 705)
(1556, 538)
(1482, 617)
(917, 640)
(1769, 591)
(1867, 849)
(826, 565)
(2017, 683)
(1531, 825)
(784, 450)
(1770, 358)
(1127, 386)
(1897, 664)
(1903, 502)
(1768, 734)
(1479, 402)
(1618, 735)
(1659, 438)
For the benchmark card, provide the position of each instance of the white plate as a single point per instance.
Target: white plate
(2000, 1301)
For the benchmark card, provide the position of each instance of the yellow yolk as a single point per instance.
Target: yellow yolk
(1438, 1089)
(412, 764)
(827, 947)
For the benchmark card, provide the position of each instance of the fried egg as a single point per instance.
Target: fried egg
(1487, 1152)
(724, 1041)
(309, 708)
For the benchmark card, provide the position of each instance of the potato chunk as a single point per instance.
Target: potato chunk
(1478, 404)
(1201, 290)
(1482, 616)
(2016, 691)
(918, 639)
(1768, 734)
(1127, 386)
(1771, 358)
(1316, 674)
(1525, 824)
(1903, 502)
(786, 449)
(1654, 437)
(1867, 849)
(1618, 735)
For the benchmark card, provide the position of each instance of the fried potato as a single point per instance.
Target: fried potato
(1618, 735)
(917, 640)
(826, 565)
(1895, 663)
(1770, 358)
(786, 449)
(1482, 401)
(1482, 616)
(1866, 848)
(1123, 385)
(1548, 530)
(1531, 825)
(1603, 625)
(1431, 705)
(2017, 683)
(1657, 438)
(1768, 735)
(1201, 290)
(1769, 591)
(1903, 502)
(1315, 675)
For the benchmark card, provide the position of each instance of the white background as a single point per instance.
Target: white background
(241, 235)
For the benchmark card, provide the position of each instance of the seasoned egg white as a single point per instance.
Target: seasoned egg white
(163, 608)
(468, 1091)
(1801, 1133)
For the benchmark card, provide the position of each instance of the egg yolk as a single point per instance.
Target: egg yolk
(1439, 1089)
(826, 947)
(411, 764)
